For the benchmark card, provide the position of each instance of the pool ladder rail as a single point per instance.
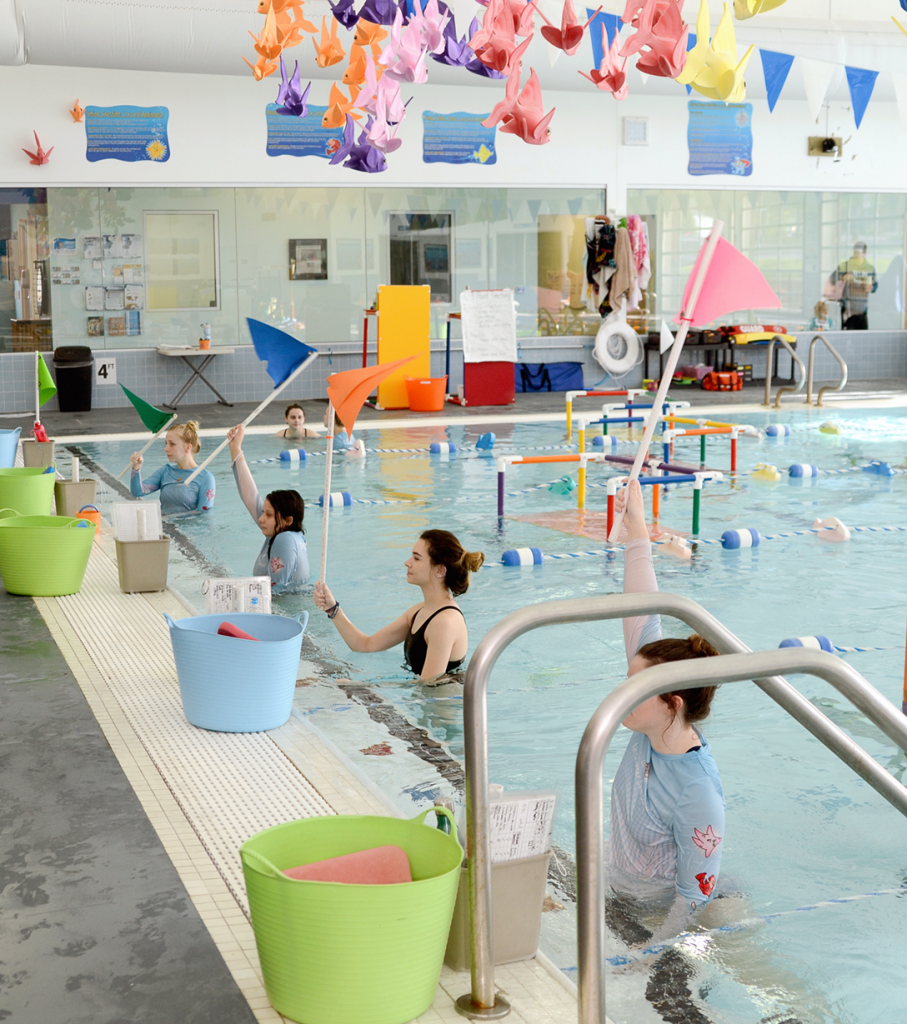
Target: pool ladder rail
(806, 375)
(737, 663)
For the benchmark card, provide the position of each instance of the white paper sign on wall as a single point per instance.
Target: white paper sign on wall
(105, 371)
(489, 326)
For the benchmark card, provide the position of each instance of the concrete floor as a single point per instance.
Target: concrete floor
(95, 925)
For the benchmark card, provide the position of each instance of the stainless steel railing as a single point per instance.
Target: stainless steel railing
(677, 675)
(809, 373)
(481, 1002)
(769, 356)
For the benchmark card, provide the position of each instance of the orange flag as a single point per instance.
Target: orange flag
(349, 389)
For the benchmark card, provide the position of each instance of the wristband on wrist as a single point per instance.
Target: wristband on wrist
(332, 612)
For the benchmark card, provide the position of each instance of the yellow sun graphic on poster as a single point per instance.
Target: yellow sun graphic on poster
(156, 150)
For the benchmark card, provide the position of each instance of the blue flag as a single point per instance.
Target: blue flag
(612, 25)
(861, 83)
(282, 353)
(775, 68)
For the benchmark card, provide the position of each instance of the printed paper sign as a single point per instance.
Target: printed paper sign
(457, 138)
(302, 136)
(720, 138)
(489, 326)
(127, 133)
(520, 825)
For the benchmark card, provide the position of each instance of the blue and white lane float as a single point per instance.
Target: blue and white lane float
(522, 556)
(801, 469)
(293, 455)
(777, 430)
(443, 448)
(336, 499)
(815, 643)
(732, 540)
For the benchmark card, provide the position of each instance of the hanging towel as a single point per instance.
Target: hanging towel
(624, 279)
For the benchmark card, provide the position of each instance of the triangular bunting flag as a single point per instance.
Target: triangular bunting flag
(349, 389)
(900, 92)
(817, 76)
(152, 417)
(666, 339)
(46, 387)
(775, 68)
(861, 83)
(732, 283)
(691, 42)
(282, 353)
(612, 24)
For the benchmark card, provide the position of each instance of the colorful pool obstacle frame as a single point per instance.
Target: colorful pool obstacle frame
(628, 393)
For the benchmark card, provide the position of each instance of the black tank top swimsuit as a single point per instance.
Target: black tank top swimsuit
(415, 648)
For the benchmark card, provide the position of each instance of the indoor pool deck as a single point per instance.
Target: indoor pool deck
(122, 897)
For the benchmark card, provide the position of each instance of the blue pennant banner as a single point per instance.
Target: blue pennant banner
(691, 42)
(775, 68)
(861, 83)
(612, 25)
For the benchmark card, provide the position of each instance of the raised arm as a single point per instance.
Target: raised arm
(639, 573)
(243, 475)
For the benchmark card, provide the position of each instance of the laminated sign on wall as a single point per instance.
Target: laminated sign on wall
(489, 326)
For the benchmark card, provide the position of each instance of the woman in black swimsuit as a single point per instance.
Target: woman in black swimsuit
(295, 428)
(433, 632)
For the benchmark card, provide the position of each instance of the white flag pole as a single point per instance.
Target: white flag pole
(673, 358)
(326, 510)
(166, 426)
(37, 389)
(252, 415)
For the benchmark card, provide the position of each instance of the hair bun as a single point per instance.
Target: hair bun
(473, 560)
(701, 647)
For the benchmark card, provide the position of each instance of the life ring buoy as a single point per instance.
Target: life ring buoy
(617, 349)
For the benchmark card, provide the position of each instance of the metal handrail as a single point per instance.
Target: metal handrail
(769, 350)
(677, 675)
(809, 372)
(481, 1002)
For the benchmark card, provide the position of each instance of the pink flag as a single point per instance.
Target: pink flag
(732, 283)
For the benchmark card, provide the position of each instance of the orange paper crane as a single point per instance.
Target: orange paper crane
(355, 72)
(261, 68)
(77, 112)
(339, 106)
(329, 51)
(268, 44)
(40, 157)
(371, 35)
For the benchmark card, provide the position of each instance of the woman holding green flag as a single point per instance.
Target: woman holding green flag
(180, 445)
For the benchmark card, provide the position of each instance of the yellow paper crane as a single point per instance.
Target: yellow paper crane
(712, 68)
(744, 9)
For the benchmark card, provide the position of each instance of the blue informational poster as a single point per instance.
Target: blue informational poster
(457, 138)
(127, 133)
(720, 138)
(303, 136)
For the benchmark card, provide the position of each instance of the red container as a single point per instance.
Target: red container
(426, 394)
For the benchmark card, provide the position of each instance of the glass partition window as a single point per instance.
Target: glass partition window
(181, 261)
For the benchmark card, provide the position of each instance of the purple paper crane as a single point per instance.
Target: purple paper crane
(378, 12)
(457, 52)
(345, 13)
(349, 135)
(291, 100)
(358, 155)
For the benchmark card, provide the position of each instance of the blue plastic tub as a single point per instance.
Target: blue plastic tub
(9, 442)
(233, 685)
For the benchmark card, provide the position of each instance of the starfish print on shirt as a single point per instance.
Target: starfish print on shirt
(706, 841)
(276, 565)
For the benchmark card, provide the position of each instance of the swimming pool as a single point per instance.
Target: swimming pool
(802, 830)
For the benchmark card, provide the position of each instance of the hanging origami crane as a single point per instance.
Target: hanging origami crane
(495, 42)
(712, 69)
(329, 51)
(339, 107)
(290, 29)
(77, 112)
(355, 70)
(345, 13)
(430, 23)
(373, 74)
(291, 100)
(379, 12)
(520, 113)
(475, 65)
(404, 56)
(744, 9)
(358, 155)
(381, 133)
(661, 30)
(371, 35)
(611, 75)
(38, 157)
(570, 34)
(261, 68)
(267, 44)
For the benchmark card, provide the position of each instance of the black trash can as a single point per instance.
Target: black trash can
(74, 369)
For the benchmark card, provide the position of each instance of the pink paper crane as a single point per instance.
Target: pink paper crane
(495, 42)
(404, 56)
(659, 28)
(430, 24)
(39, 157)
(521, 113)
(570, 34)
(382, 135)
(611, 75)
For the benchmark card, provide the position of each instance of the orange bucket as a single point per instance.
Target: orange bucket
(93, 514)
(426, 394)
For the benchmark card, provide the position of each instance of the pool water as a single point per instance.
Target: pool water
(801, 828)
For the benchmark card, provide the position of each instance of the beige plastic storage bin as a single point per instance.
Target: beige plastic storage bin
(70, 497)
(517, 894)
(142, 565)
(38, 453)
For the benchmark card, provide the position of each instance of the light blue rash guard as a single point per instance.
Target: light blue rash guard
(667, 810)
(287, 562)
(176, 496)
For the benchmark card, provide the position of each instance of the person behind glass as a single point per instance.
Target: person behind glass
(180, 445)
(283, 556)
(433, 632)
(820, 320)
(667, 803)
(294, 414)
(852, 282)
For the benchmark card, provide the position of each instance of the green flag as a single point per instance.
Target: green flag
(151, 416)
(46, 387)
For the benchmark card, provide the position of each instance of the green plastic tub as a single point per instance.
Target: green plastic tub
(43, 556)
(352, 954)
(30, 491)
